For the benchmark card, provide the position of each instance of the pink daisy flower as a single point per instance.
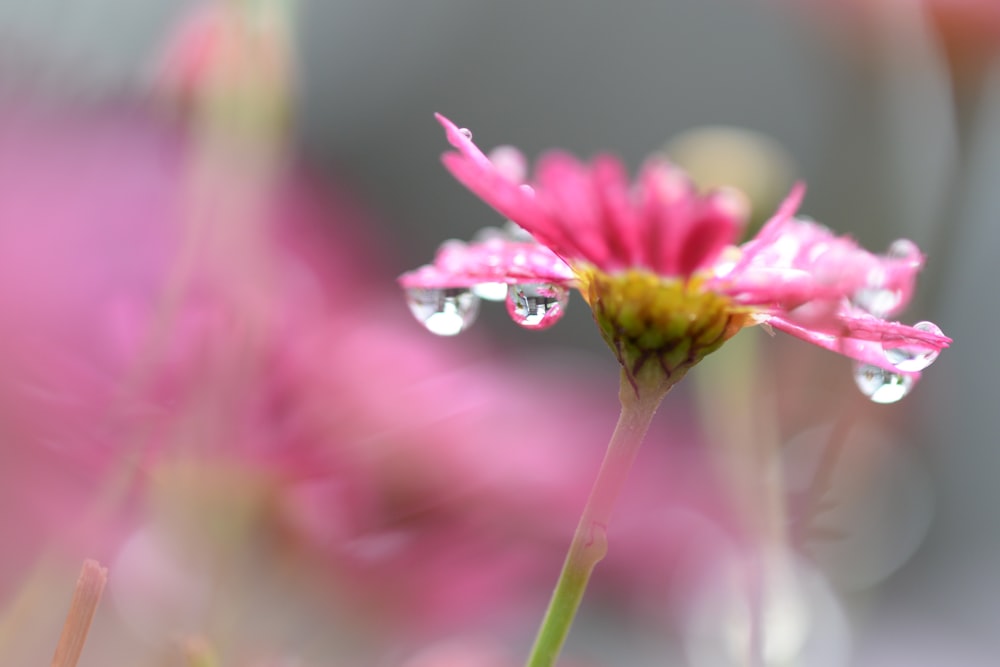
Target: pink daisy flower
(660, 267)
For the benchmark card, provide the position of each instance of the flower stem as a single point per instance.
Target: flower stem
(589, 543)
(87, 594)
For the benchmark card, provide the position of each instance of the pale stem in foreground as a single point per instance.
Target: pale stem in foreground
(86, 596)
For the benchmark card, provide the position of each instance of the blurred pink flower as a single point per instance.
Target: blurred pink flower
(232, 60)
(469, 652)
(201, 369)
(628, 249)
(404, 473)
(460, 653)
(968, 31)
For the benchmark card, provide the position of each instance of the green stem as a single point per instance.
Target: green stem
(590, 540)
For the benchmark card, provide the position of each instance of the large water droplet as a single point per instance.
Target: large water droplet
(487, 234)
(490, 291)
(466, 132)
(904, 249)
(880, 385)
(877, 301)
(517, 233)
(913, 358)
(536, 305)
(444, 312)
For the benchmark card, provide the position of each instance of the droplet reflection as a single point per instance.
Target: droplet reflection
(536, 306)
(878, 301)
(490, 291)
(904, 249)
(444, 312)
(880, 385)
(913, 358)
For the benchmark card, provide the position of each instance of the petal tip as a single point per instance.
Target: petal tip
(457, 137)
(793, 201)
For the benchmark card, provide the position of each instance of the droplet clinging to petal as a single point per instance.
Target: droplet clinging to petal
(491, 291)
(445, 311)
(913, 358)
(537, 306)
(880, 385)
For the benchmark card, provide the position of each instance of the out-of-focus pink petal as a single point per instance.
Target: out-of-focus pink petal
(664, 199)
(577, 228)
(460, 653)
(792, 261)
(459, 264)
(786, 211)
(621, 217)
(715, 225)
(864, 338)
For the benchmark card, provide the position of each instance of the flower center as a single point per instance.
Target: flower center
(658, 327)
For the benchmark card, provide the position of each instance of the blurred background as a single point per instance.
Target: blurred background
(889, 111)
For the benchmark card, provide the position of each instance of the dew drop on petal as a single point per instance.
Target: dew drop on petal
(466, 132)
(451, 246)
(903, 249)
(913, 358)
(488, 234)
(444, 312)
(537, 305)
(880, 385)
(490, 291)
(877, 301)
(517, 233)
(509, 162)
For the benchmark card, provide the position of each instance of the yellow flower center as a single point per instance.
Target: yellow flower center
(658, 327)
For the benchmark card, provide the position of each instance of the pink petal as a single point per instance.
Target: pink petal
(458, 264)
(786, 211)
(463, 142)
(665, 200)
(863, 337)
(716, 224)
(475, 171)
(792, 261)
(619, 216)
(588, 213)
(576, 226)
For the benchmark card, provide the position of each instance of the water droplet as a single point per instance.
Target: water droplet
(487, 234)
(466, 132)
(444, 312)
(452, 245)
(490, 291)
(903, 249)
(515, 232)
(878, 301)
(913, 358)
(537, 305)
(880, 385)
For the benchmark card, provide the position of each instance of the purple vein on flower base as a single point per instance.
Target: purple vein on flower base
(659, 265)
